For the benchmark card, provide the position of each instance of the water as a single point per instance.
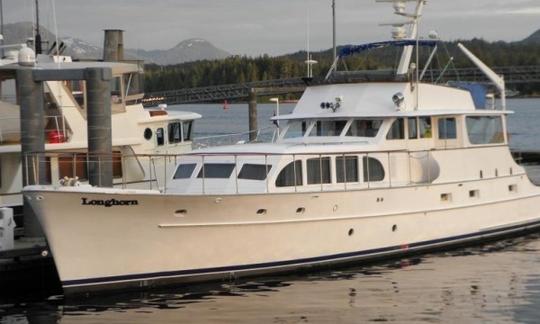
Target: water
(497, 282)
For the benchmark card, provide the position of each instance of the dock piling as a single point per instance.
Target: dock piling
(252, 107)
(32, 121)
(99, 126)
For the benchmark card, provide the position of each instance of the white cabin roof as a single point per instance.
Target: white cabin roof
(375, 100)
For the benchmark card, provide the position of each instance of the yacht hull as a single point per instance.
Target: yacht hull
(114, 239)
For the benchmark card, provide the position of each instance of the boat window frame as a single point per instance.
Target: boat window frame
(203, 170)
(171, 127)
(323, 174)
(500, 135)
(267, 169)
(352, 122)
(445, 136)
(297, 167)
(160, 136)
(285, 131)
(390, 129)
(193, 166)
(316, 122)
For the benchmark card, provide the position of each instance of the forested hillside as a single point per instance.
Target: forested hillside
(238, 69)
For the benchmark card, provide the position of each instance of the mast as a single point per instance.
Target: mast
(406, 56)
(37, 41)
(334, 30)
(2, 27)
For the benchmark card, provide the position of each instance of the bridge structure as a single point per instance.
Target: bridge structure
(219, 93)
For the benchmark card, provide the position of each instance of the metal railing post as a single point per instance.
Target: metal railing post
(294, 172)
(203, 176)
(429, 168)
(266, 167)
(26, 166)
(320, 171)
(150, 171)
(344, 172)
(236, 171)
(368, 171)
(409, 165)
(74, 165)
(389, 170)
(165, 158)
(123, 162)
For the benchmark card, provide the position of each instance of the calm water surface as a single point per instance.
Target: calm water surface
(497, 282)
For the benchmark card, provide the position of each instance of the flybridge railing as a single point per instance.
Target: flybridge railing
(262, 135)
(268, 172)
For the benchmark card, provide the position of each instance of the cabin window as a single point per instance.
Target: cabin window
(184, 171)
(364, 128)
(413, 129)
(296, 128)
(254, 171)
(397, 131)
(216, 170)
(373, 170)
(328, 128)
(286, 177)
(485, 130)
(346, 169)
(318, 170)
(174, 132)
(447, 128)
(160, 136)
(424, 127)
(187, 128)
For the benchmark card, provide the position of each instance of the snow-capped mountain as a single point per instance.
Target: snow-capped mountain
(189, 50)
(186, 51)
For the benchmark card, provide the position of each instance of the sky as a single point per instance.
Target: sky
(274, 27)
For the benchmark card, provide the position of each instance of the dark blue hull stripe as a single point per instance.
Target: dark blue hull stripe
(297, 262)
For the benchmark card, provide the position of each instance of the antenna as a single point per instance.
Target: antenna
(37, 40)
(399, 9)
(309, 60)
(334, 29)
(2, 27)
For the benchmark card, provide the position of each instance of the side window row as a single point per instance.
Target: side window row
(319, 171)
(174, 131)
(419, 127)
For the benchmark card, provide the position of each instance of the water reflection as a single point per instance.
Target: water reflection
(495, 282)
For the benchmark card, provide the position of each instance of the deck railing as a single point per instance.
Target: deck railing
(56, 130)
(263, 135)
(386, 169)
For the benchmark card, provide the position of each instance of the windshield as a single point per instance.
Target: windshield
(296, 128)
(364, 127)
(328, 128)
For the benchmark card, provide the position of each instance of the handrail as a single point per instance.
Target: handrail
(393, 177)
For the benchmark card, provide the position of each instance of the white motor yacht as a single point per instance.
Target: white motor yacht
(359, 171)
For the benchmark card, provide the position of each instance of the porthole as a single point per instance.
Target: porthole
(300, 210)
(148, 134)
(394, 228)
(351, 232)
(261, 212)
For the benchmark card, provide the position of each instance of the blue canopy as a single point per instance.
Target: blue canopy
(354, 49)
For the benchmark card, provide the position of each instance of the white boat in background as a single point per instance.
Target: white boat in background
(135, 130)
(360, 171)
